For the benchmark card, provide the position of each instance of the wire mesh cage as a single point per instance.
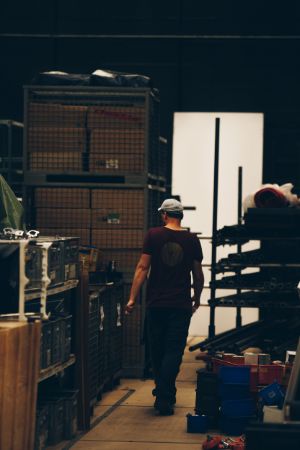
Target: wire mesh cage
(91, 130)
(112, 218)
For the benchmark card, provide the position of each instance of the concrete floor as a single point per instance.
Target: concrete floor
(126, 420)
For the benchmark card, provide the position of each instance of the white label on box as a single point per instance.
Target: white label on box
(112, 163)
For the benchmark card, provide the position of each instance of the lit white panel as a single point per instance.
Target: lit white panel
(241, 144)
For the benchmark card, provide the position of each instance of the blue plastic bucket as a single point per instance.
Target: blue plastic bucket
(197, 424)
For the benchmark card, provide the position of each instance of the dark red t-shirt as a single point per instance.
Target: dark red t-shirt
(172, 255)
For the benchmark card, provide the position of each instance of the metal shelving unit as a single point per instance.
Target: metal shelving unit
(71, 284)
(238, 235)
(57, 369)
(104, 140)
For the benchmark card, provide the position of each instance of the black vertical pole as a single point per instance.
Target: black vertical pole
(238, 320)
(211, 328)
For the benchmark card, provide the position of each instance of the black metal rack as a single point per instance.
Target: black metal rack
(273, 290)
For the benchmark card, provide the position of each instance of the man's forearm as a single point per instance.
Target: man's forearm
(138, 280)
(198, 284)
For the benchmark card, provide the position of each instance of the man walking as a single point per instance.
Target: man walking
(171, 253)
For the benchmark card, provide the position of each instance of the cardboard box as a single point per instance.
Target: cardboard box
(126, 116)
(55, 161)
(117, 141)
(116, 163)
(58, 139)
(118, 199)
(62, 197)
(114, 218)
(125, 260)
(82, 233)
(56, 115)
(130, 239)
(63, 218)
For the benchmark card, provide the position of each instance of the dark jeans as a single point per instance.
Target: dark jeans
(167, 333)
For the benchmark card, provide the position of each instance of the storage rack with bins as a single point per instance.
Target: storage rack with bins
(106, 304)
(11, 154)
(58, 350)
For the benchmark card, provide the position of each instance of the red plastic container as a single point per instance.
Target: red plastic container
(267, 374)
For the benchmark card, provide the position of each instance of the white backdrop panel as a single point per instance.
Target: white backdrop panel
(241, 144)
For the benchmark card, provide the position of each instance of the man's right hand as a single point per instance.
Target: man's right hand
(129, 307)
(195, 305)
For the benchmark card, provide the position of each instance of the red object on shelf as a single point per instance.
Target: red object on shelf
(267, 374)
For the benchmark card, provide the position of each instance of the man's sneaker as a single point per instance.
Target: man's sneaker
(172, 401)
(164, 407)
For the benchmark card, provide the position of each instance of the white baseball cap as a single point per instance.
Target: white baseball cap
(171, 205)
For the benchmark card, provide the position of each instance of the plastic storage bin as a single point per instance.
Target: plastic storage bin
(234, 426)
(197, 424)
(70, 399)
(235, 374)
(207, 382)
(207, 404)
(238, 408)
(56, 420)
(41, 427)
(234, 391)
(272, 395)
